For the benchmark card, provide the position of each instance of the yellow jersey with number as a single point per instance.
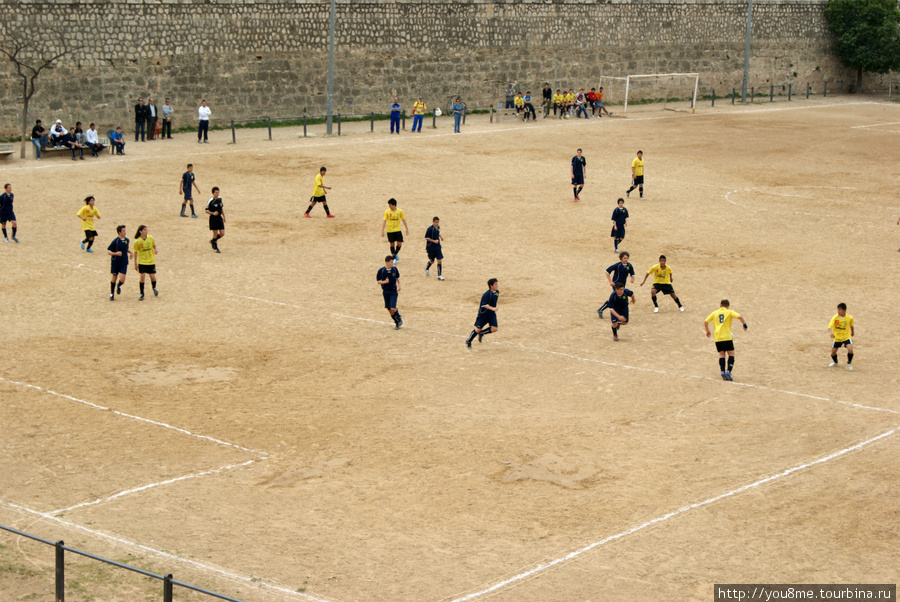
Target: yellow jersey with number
(841, 327)
(721, 319)
(87, 214)
(393, 220)
(638, 166)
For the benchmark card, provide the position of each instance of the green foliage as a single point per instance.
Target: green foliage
(867, 33)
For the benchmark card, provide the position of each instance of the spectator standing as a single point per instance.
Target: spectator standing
(510, 96)
(152, 118)
(457, 114)
(395, 115)
(167, 112)
(418, 114)
(93, 141)
(140, 120)
(39, 137)
(203, 113)
(547, 100)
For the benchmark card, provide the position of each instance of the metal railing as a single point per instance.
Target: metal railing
(168, 581)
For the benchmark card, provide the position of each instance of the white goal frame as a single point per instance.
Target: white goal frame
(628, 79)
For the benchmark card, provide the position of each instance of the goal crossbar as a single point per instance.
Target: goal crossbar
(628, 79)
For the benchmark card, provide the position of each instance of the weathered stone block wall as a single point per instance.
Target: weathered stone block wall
(251, 58)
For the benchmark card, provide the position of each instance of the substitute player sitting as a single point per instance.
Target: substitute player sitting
(662, 283)
(840, 328)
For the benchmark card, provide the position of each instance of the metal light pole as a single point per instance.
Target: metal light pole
(330, 109)
(746, 52)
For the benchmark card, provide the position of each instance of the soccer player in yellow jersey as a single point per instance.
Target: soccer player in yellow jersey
(840, 328)
(391, 224)
(87, 214)
(145, 258)
(721, 319)
(318, 195)
(418, 110)
(637, 174)
(662, 283)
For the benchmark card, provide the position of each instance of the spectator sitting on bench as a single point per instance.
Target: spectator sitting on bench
(56, 133)
(78, 131)
(581, 104)
(39, 137)
(93, 141)
(529, 107)
(520, 103)
(70, 141)
(117, 139)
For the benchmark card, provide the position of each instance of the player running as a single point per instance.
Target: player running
(433, 240)
(721, 318)
(389, 279)
(145, 258)
(318, 196)
(87, 214)
(618, 307)
(662, 283)
(121, 253)
(618, 272)
(487, 312)
(840, 328)
(391, 223)
(637, 174)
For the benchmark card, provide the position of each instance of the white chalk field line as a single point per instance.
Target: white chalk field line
(674, 513)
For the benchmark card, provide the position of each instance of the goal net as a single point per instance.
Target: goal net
(669, 91)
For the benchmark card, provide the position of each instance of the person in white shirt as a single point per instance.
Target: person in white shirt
(203, 116)
(57, 132)
(93, 141)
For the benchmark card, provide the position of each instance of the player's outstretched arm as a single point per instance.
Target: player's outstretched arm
(706, 328)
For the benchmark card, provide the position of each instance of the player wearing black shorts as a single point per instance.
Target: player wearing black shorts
(389, 279)
(618, 308)
(390, 224)
(216, 211)
(662, 283)
(121, 253)
(578, 171)
(433, 240)
(618, 272)
(6, 212)
(318, 195)
(487, 313)
(186, 185)
(637, 174)
(619, 220)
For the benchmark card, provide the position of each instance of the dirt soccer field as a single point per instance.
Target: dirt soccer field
(260, 428)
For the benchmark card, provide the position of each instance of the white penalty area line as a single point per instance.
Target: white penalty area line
(875, 125)
(133, 417)
(159, 484)
(585, 359)
(210, 568)
(673, 514)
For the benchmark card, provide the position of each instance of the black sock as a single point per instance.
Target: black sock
(439, 269)
(327, 212)
(142, 288)
(192, 210)
(641, 190)
(4, 233)
(604, 306)
(308, 209)
(153, 284)
(574, 191)
(471, 336)
(90, 243)
(15, 229)
(395, 317)
(730, 363)
(849, 358)
(678, 301)
(722, 364)
(183, 207)
(834, 357)
(615, 331)
(398, 250)
(112, 287)
(428, 266)
(655, 304)
(84, 241)
(580, 188)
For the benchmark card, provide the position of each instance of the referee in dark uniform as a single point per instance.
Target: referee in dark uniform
(216, 212)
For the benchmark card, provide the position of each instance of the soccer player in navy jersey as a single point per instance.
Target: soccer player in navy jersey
(577, 172)
(619, 220)
(120, 253)
(486, 321)
(187, 185)
(389, 279)
(618, 272)
(618, 308)
(433, 240)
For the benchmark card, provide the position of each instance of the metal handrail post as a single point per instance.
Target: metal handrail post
(60, 571)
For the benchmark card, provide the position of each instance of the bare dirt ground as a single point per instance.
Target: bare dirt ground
(261, 430)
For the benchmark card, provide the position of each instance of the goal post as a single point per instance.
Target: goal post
(630, 82)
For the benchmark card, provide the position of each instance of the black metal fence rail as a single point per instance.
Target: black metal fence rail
(168, 581)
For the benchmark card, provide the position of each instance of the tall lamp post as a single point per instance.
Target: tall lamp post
(330, 110)
(746, 52)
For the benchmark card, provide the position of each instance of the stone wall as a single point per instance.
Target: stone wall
(251, 58)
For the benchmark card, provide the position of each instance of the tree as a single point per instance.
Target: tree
(31, 56)
(868, 34)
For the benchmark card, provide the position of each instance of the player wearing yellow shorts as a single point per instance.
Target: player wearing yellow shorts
(840, 328)
(721, 319)
(662, 283)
